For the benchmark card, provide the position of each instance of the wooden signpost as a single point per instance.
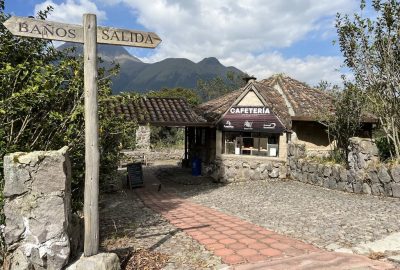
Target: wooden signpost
(89, 34)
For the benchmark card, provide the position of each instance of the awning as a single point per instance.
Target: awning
(265, 121)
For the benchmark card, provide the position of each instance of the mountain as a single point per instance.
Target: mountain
(168, 73)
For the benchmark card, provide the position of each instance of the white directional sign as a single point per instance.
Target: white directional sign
(88, 34)
(28, 27)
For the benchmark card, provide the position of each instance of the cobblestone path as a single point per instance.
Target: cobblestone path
(238, 241)
(326, 218)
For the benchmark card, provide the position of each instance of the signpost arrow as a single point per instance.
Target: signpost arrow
(29, 27)
(88, 34)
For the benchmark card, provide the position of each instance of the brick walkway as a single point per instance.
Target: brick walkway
(234, 240)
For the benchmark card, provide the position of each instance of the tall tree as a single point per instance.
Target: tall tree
(344, 123)
(219, 86)
(41, 104)
(371, 47)
(190, 95)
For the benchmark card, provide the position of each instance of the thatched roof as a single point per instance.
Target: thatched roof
(156, 111)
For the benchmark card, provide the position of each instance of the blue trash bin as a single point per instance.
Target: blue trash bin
(196, 167)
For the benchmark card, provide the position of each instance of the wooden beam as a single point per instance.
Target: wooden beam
(92, 156)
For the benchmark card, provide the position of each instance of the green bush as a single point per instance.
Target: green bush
(385, 148)
(42, 106)
(166, 137)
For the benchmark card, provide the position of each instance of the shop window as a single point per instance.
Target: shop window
(231, 142)
(255, 144)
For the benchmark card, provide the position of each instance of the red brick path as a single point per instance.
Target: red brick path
(236, 241)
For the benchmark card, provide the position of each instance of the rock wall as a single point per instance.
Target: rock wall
(152, 155)
(229, 168)
(37, 209)
(364, 173)
(143, 137)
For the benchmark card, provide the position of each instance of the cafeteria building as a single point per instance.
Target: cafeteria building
(252, 127)
(244, 134)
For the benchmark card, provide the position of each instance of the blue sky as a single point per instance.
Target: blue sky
(257, 36)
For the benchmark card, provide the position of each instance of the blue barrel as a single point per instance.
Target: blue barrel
(196, 167)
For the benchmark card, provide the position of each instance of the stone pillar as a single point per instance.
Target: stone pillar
(37, 195)
(218, 143)
(363, 153)
(283, 146)
(143, 138)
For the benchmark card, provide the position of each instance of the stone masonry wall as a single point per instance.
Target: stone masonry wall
(364, 174)
(152, 155)
(143, 137)
(229, 168)
(37, 209)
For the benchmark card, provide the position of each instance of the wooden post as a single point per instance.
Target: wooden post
(92, 156)
(186, 145)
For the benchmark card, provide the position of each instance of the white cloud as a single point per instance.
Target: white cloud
(243, 33)
(71, 11)
(247, 34)
(202, 28)
(311, 69)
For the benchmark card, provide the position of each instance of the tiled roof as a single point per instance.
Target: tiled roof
(213, 109)
(306, 102)
(291, 100)
(156, 111)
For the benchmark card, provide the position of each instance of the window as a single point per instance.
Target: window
(231, 142)
(255, 143)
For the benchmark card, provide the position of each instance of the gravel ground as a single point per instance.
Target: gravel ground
(313, 214)
(126, 226)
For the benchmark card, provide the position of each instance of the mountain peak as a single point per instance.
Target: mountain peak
(209, 61)
(105, 51)
(134, 75)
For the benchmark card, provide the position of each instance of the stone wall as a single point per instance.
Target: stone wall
(37, 209)
(143, 137)
(363, 174)
(152, 155)
(231, 168)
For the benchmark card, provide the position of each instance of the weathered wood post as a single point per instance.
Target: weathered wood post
(92, 156)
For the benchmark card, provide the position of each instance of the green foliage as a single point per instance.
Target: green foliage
(124, 130)
(41, 105)
(346, 121)
(219, 86)
(372, 52)
(385, 148)
(327, 86)
(191, 96)
(166, 137)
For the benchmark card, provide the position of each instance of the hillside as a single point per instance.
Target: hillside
(171, 72)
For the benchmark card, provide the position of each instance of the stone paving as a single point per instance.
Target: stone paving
(127, 225)
(326, 218)
(233, 239)
(319, 261)
(238, 241)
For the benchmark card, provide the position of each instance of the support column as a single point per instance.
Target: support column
(186, 144)
(92, 156)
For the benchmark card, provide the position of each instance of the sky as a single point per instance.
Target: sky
(260, 37)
